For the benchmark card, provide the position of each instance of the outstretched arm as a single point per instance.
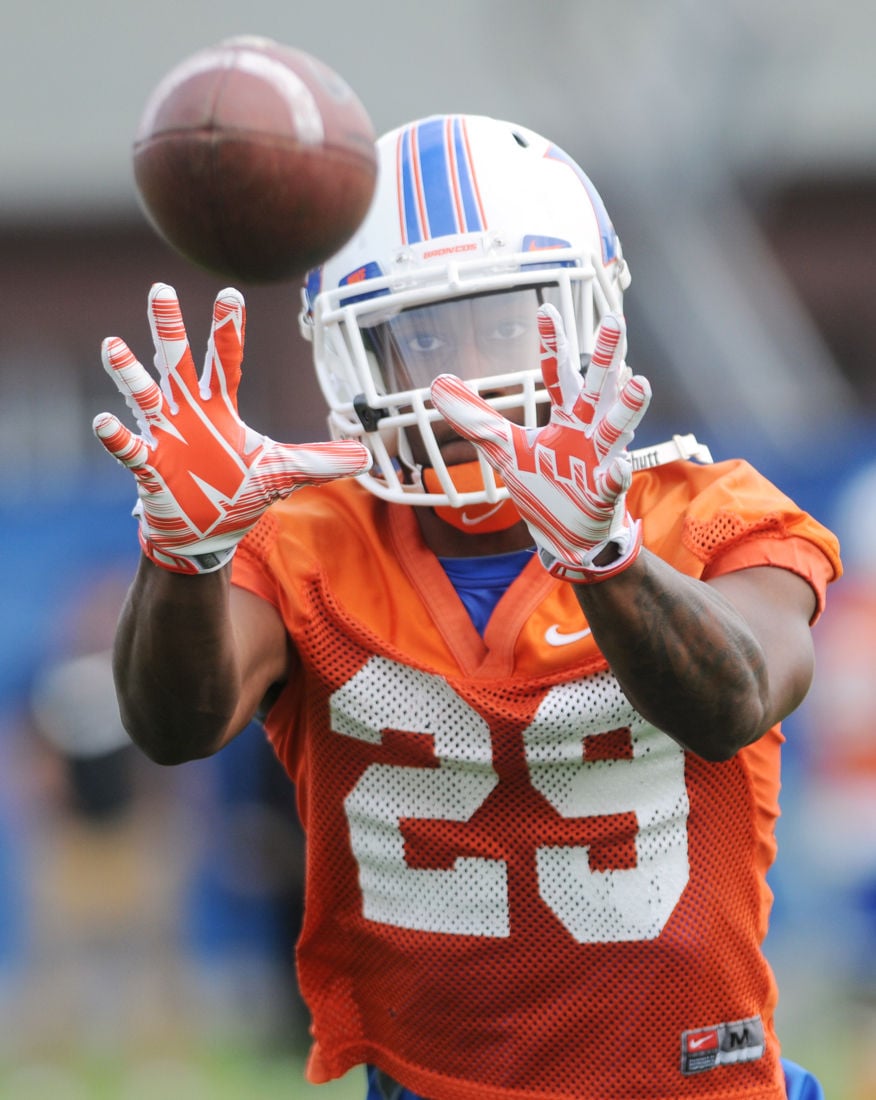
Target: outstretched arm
(194, 657)
(713, 664)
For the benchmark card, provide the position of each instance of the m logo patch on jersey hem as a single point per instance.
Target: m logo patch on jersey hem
(722, 1045)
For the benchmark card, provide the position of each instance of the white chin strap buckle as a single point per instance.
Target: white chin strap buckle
(679, 447)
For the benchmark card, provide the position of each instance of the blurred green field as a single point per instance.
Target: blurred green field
(228, 1075)
(223, 1076)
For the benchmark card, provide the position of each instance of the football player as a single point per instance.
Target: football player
(528, 682)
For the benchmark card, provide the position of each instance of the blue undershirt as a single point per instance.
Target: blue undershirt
(481, 582)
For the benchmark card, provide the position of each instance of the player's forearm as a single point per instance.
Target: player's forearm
(174, 663)
(684, 656)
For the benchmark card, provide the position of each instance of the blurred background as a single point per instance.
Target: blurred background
(146, 914)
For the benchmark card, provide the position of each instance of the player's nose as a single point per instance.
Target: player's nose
(473, 362)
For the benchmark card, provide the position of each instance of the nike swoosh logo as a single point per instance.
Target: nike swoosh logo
(473, 521)
(554, 636)
(695, 1044)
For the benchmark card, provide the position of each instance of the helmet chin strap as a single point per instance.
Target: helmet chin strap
(474, 519)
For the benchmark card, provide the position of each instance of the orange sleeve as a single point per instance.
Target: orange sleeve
(249, 566)
(796, 554)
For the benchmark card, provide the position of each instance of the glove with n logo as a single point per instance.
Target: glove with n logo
(203, 477)
(568, 479)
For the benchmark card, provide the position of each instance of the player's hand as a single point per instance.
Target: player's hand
(203, 477)
(568, 479)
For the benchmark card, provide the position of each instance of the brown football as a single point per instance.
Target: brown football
(254, 160)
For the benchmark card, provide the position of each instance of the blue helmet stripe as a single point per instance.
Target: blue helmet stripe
(435, 180)
(465, 176)
(437, 188)
(408, 196)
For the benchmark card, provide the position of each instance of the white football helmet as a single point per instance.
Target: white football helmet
(474, 223)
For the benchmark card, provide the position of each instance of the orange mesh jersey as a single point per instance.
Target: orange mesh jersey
(517, 887)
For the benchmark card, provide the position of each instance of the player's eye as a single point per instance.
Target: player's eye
(507, 330)
(500, 338)
(425, 343)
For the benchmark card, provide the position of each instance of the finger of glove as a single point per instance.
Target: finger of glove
(173, 356)
(139, 389)
(285, 466)
(222, 364)
(607, 358)
(613, 479)
(467, 413)
(562, 381)
(122, 444)
(616, 428)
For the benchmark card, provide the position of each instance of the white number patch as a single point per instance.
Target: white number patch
(609, 906)
(471, 898)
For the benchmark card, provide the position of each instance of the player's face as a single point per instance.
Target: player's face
(483, 336)
(491, 334)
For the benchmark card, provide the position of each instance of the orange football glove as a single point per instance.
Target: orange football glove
(203, 477)
(568, 479)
